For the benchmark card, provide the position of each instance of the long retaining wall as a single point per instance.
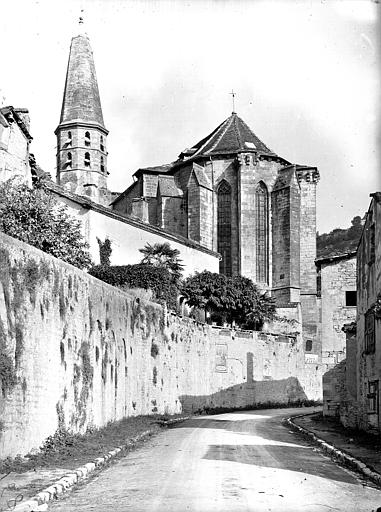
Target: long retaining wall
(76, 352)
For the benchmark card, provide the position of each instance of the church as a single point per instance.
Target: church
(228, 193)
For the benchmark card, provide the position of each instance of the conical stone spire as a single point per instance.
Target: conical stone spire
(81, 134)
(81, 101)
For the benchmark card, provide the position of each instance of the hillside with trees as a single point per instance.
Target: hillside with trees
(339, 241)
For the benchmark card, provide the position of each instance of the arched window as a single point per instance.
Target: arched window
(87, 139)
(69, 160)
(102, 164)
(87, 159)
(102, 143)
(262, 232)
(69, 139)
(224, 227)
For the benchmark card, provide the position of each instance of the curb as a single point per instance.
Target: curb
(341, 456)
(39, 502)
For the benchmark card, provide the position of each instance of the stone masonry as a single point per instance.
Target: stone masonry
(77, 352)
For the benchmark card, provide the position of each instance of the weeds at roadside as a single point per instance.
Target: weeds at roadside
(67, 450)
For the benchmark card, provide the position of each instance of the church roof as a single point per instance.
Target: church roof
(231, 136)
(81, 101)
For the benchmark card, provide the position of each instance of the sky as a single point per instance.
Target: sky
(305, 74)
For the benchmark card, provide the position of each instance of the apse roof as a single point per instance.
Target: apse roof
(231, 136)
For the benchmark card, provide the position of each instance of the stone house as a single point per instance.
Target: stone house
(15, 140)
(368, 368)
(351, 390)
(337, 303)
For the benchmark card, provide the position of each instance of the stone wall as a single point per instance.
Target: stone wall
(334, 390)
(337, 277)
(77, 352)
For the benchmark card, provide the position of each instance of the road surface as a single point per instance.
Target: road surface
(244, 461)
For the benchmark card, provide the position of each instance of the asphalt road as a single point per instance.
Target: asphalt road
(244, 461)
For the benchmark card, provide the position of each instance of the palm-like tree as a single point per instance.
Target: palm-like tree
(162, 255)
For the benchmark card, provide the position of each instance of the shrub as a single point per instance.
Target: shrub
(148, 277)
(35, 217)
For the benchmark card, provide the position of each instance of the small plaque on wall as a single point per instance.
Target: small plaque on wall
(221, 357)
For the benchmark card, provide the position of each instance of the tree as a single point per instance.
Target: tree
(339, 241)
(105, 251)
(229, 299)
(162, 255)
(250, 308)
(35, 217)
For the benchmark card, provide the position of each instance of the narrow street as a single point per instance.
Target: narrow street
(244, 461)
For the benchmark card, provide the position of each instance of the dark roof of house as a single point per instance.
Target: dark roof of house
(333, 258)
(231, 136)
(20, 115)
(81, 100)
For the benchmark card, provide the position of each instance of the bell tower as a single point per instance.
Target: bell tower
(81, 133)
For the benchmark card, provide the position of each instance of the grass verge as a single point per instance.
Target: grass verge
(67, 450)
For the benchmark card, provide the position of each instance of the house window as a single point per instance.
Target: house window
(102, 144)
(309, 346)
(370, 341)
(69, 138)
(224, 221)
(373, 397)
(87, 160)
(87, 139)
(102, 164)
(261, 232)
(350, 298)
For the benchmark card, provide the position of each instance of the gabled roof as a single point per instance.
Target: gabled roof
(81, 100)
(231, 136)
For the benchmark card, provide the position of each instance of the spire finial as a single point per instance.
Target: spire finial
(233, 96)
